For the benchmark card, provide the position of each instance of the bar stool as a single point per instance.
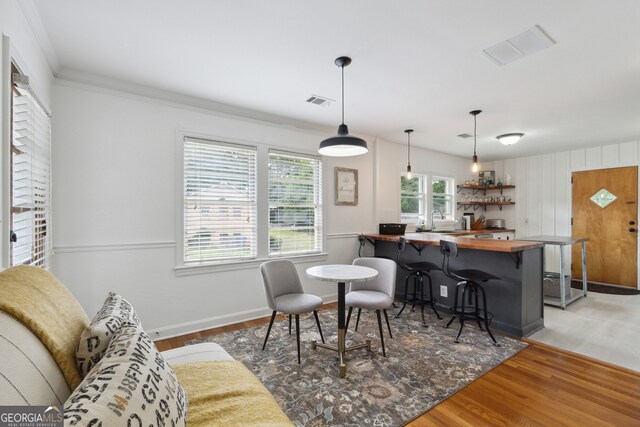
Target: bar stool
(417, 270)
(471, 292)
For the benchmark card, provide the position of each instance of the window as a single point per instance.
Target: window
(295, 204)
(219, 178)
(442, 195)
(418, 199)
(30, 177)
(412, 198)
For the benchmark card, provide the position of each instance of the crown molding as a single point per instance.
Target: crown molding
(32, 16)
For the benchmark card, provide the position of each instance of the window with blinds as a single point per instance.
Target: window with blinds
(220, 203)
(30, 241)
(295, 204)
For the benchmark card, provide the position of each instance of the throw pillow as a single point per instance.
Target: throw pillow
(96, 337)
(131, 386)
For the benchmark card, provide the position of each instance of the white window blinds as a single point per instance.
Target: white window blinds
(219, 201)
(30, 182)
(295, 204)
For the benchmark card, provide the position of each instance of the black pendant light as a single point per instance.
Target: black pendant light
(343, 144)
(474, 166)
(408, 132)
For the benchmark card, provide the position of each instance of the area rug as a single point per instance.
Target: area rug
(604, 289)
(423, 367)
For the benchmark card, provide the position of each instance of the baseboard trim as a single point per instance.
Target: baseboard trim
(186, 328)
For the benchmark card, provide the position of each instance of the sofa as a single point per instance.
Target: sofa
(40, 327)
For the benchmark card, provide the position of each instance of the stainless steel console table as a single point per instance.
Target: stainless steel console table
(562, 242)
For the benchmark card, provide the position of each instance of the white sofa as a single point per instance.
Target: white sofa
(31, 372)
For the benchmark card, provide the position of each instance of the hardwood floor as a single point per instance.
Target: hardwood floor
(540, 385)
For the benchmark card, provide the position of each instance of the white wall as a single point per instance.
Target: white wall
(543, 188)
(25, 51)
(391, 161)
(114, 212)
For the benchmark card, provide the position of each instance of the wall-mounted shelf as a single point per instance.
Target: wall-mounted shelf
(483, 205)
(484, 188)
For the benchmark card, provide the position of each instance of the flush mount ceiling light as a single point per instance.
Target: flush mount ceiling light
(474, 166)
(408, 132)
(343, 144)
(509, 138)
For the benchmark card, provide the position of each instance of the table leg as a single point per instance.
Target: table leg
(341, 329)
(563, 285)
(584, 268)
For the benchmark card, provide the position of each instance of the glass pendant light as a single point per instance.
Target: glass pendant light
(408, 132)
(474, 166)
(343, 144)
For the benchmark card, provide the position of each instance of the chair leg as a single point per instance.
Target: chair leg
(289, 324)
(346, 325)
(432, 300)
(406, 293)
(273, 316)
(421, 283)
(381, 334)
(388, 325)
(298, 335)
(477, 311)
(462, 312)
(486, 318)
(358, 318)
(315, 313)
(455, 306)
(415, 292)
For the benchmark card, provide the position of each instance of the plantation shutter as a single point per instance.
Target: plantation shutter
(295, 204)
(30, 181)
(220, 213)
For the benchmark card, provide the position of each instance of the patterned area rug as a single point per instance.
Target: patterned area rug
(423, 367)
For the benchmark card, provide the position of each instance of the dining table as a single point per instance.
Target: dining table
(342, 274)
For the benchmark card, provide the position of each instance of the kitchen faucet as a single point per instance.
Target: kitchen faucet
(436, 211)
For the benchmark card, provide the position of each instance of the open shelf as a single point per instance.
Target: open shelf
(483, 205)
(485, 188)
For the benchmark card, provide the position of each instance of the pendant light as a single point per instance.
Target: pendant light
(408, 132)
(343, 144)
(474, 166)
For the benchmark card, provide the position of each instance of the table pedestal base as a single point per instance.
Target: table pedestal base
(341, 349)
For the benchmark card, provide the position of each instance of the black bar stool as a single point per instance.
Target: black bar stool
(471, 292)
(417, 270)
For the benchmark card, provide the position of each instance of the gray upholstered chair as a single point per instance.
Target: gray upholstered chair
(376, 294)
(285, 295)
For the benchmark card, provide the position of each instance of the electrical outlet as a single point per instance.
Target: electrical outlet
(444, 291)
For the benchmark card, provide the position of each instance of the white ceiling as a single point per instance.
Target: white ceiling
(416, 63)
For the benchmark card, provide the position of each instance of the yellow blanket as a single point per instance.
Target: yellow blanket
(226, 393)
(39, 301)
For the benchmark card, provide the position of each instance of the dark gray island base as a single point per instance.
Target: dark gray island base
(516, 300)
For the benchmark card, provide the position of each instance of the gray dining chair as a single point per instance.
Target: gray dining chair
(376, 294)
(285, 295)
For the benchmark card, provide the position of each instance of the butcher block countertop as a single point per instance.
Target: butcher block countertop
(463, 241)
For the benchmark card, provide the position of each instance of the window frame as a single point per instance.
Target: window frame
(180, 268)
(427, 197)
(41, 229)
(318, 206)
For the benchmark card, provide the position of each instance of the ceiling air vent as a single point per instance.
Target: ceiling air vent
(320, 100)
(519, 46)
(464, 135)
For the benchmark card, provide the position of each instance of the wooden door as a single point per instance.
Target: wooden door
(612, 229)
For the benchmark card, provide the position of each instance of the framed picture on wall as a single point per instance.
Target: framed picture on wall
(488, 177)
(346, 186)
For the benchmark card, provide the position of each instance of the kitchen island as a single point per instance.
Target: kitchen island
(515, 300)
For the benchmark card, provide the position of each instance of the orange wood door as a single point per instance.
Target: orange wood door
(612, 230)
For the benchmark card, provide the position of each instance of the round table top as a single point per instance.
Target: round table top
(342, 273)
